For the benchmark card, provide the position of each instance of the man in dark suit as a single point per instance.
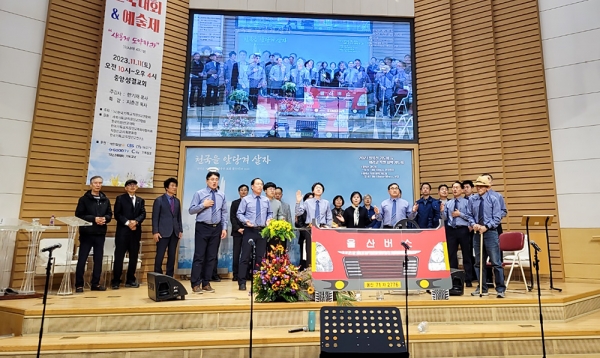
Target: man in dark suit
(130, 212)
(167, 228)
(237, 230)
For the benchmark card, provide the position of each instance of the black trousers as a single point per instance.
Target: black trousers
(86, 242)
(127, 243)
(169, 245)
(472, 255)
(455, 237)
(237, 251)
(215, 272)
(245, 260)
(253, 97)
(305, 239)
(212, 95)
(195, 92)
(206, 246)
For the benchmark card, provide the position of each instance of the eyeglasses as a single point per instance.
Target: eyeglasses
(394, 187)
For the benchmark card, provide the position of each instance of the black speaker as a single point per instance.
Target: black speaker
(164, 288)
(458, 282)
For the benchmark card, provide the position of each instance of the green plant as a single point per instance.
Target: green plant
(238, 96)
(278, 229)
(289, 87)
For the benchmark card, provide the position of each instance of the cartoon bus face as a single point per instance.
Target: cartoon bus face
(367, 259)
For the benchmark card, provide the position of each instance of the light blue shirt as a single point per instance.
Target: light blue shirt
(463, 219)
(500, 201)
(403, 211)
(310, 207)
(492, 214)
(247, 210)
(205, 214)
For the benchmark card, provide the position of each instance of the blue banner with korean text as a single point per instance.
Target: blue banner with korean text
(127, 99)
(341, 171)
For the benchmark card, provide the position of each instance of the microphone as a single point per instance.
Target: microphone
(405, 245)
(251, 242)
(51, 248)
(535, 246)
(295, 330)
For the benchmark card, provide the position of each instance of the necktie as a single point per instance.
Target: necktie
(480, 216)
(318, 213)
(393, 213)
(215, 213)
(356, 216)
(172, 200)
(258, 223)
(455, 208)
(133, 201)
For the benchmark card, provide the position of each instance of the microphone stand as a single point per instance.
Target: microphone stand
(405, 264)
(536, 263)
(48, 269)
(253, 244)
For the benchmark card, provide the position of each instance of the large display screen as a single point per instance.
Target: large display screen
(341, 171)
(299, 78)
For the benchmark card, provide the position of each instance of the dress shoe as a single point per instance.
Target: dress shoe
(242, 287)
(132, 284)
(207, 288)
(115, 287)
(216, 279)
(98, 288)
(197, 289)
(79, 290)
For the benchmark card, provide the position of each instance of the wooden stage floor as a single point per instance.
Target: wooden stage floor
(126, 323)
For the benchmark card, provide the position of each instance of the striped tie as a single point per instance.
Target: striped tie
(215, 212)
(393, 213)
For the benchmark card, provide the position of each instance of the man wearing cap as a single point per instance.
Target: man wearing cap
(484, 214)
(130, 212)
(256, 78)
(210, 207)
(212, 69)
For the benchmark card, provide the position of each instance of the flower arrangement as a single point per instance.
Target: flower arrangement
(278, 280)
(237, 125)
(289, 107)
(278, 229)
(238, 96)
(289, 87)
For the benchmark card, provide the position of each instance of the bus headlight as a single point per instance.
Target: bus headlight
(323, 260)
(437, 259)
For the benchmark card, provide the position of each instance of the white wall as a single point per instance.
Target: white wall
(570, 32)
(22, 28)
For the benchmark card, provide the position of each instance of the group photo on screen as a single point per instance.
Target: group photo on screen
(286, 77)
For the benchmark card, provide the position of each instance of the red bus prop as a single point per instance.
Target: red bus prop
(367, 259)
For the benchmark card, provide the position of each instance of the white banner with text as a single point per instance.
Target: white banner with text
(126, 114)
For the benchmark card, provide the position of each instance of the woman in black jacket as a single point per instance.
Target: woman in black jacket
(356, 216)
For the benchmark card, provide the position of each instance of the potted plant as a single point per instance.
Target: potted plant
(238, 97)
(289, 88)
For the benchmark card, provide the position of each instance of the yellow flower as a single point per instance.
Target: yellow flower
(294, 286)
(310, 290)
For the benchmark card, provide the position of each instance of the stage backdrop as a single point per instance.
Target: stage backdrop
(341, 171)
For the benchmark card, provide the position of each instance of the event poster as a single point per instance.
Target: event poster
(341, 171)
(127, 99)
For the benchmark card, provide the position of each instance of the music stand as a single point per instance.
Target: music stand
(35, 231)
(361, 332)
(539, 221)
(73, 223)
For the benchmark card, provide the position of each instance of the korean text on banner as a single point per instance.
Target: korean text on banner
(126, 113)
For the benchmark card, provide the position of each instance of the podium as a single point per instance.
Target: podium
(8, 234)
(34, 230)
(539, 221)
(73, 223)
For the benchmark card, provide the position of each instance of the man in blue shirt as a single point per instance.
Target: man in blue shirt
(457, 231)
(394, 209)
(210, 207)
(427, 209)
(316, 208)
(484, 214)
(255, 213)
